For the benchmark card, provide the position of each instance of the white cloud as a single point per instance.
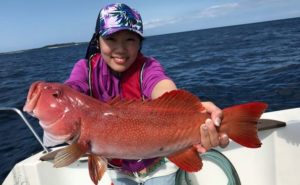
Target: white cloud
(160, 22)
(154, 23)
(218, 10)
(226, 14)
(210, 12)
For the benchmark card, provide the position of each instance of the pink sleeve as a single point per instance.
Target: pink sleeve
(78, 79)
(152, 74)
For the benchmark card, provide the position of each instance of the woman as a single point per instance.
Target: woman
(114, 66)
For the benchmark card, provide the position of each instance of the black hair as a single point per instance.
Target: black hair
(93, 46)
(141, 42)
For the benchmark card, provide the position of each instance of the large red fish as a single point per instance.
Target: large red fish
(132, 129)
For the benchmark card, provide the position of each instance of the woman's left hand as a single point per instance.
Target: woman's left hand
(209, 136)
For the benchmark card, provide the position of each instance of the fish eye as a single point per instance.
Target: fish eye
(56, 94)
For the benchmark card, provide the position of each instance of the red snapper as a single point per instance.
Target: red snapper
(133, 129)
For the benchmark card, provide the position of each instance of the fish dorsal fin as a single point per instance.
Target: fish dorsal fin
(118, 101)
(114, 101)
(68, 155)
(180, 100)
(97, 167)
(187, 160)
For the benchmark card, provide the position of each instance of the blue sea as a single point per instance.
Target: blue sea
(227, 65)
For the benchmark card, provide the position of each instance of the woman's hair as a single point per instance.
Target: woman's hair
(93, 46)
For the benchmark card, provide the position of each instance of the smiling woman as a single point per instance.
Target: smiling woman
(114, 66)
(120, 50)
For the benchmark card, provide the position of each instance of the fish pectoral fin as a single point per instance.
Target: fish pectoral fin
(68, 155)
(187, 160)
(97, 167)
(76, 137)
(50, 155)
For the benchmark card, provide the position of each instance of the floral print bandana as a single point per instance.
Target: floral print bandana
(117, 17)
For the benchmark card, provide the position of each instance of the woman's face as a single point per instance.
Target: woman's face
(120, 49)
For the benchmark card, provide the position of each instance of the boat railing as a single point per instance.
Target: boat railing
(19, 112)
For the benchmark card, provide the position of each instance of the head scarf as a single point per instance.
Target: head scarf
(114, 18)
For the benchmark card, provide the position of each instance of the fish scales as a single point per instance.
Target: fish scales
(132, 129)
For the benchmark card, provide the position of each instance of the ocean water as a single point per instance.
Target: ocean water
(228, 65)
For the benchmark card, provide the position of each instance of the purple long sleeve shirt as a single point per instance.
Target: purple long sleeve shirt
(106, 83)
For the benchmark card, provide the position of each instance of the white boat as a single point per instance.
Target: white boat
(276, 162)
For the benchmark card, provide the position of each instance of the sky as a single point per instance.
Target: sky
(36, 23)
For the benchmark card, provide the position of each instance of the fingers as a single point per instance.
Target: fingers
(209, 135)
(200, 148)
(216, 112)
(224, 140)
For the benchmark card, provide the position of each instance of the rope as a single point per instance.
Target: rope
(219, 159)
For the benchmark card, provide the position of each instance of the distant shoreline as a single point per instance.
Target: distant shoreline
(63, 45)
(52, 46)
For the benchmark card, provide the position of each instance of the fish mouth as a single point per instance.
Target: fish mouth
(32, 98)
(52, 123)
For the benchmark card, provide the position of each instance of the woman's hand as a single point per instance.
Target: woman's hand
(209, 136)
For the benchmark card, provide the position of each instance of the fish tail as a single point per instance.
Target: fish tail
(240, 123)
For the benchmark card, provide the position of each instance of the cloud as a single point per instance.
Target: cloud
(154, 23)
(210, 12)
(218, 10)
